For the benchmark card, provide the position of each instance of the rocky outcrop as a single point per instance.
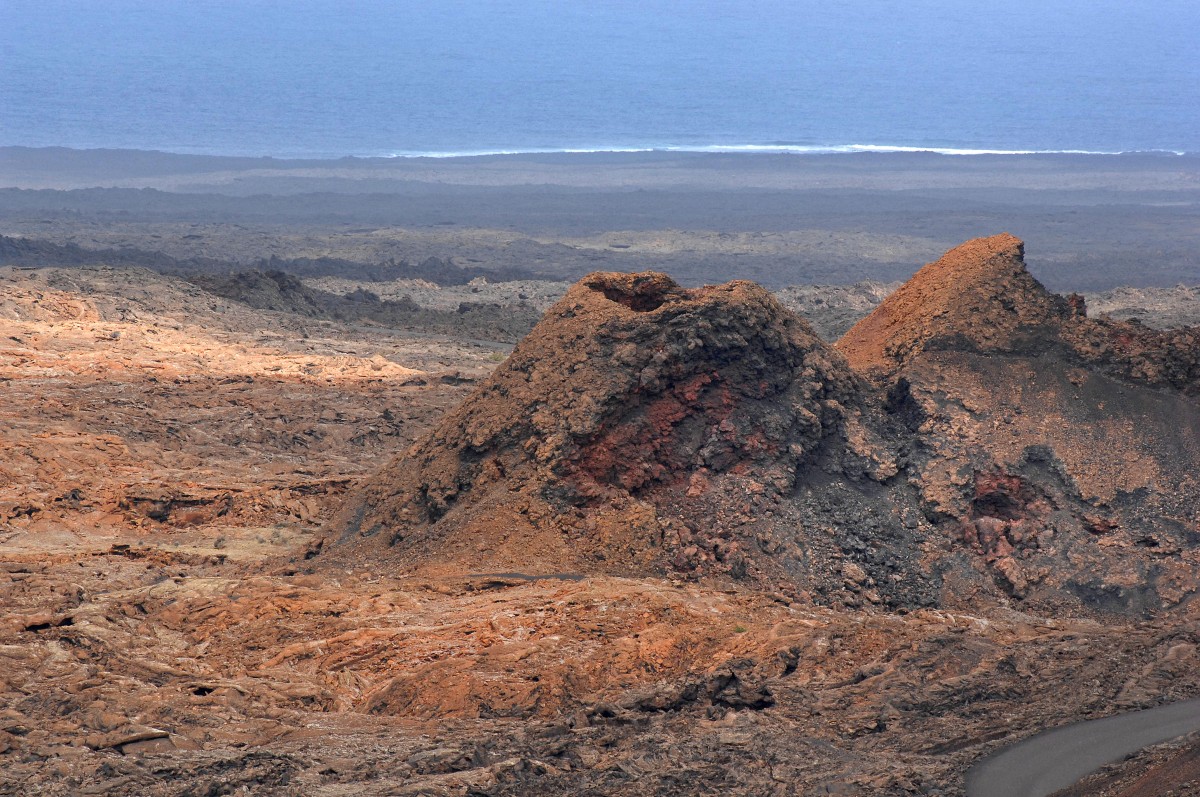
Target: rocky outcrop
(1063, 446)
(168, 455)
(990, 445)
(980, 298)
(640, 427)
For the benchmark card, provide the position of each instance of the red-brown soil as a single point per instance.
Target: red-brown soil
(980, 298)
(619, 429)
(1003, 449)
(1065, 446)
(763, 575)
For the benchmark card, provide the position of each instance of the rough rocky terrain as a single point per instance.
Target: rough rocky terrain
(1092, 222)
(829, 309)
(950, 458)
(1161, 308)
(498, 302)
(727, 563)
(283, 292)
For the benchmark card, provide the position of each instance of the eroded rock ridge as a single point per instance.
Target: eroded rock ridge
(975, 440)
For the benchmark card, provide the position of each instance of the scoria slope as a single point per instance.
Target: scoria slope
(1065, 448)
(639, 428)
(977, 296)
(990, 446)
(169, 454)
(980, 297)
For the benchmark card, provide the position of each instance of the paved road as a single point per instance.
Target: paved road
(1043, 764)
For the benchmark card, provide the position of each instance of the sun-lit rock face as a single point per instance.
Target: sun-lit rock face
(976, 441)
(980, 297)
(630, 396)
(1064, 446)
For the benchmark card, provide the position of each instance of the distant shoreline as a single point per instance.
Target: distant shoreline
(866, 168)
(771, 149)
(715, 149)
(1091, 222)
(617, 149)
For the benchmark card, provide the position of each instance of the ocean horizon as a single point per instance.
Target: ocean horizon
(372, 78)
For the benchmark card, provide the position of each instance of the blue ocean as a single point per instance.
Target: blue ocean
(329, 78)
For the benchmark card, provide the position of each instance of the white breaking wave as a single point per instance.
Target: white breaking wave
(485, 153)
(785, 149)
(772, 149)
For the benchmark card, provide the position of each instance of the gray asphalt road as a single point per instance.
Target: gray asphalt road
(1043, 764)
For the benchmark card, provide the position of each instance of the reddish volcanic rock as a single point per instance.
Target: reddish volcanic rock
(590, 447)
(1065, 446)
(1002, 448)
(162, 637)
(979, 297)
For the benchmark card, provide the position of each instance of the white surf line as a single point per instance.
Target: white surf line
(764, 149)
(1058, 758)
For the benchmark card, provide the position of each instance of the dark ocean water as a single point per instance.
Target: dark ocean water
(370, 77)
